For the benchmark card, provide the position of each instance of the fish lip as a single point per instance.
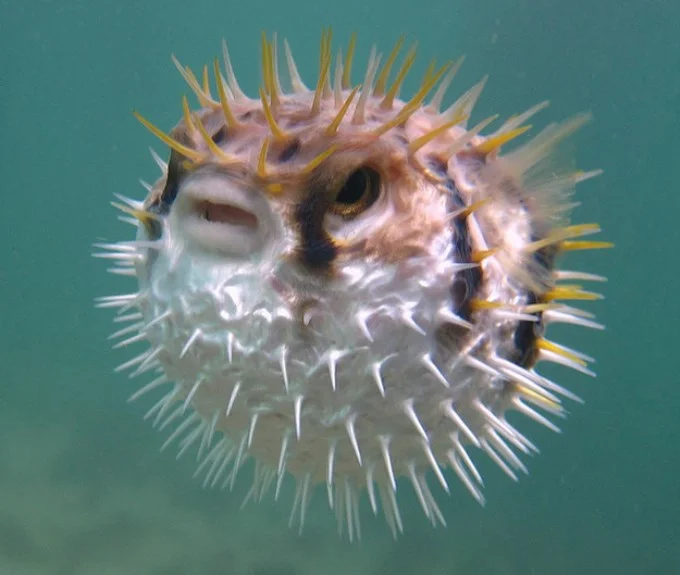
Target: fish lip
(226, 214)
(224, 198)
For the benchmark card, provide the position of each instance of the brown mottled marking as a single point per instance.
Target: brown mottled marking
(301, 267)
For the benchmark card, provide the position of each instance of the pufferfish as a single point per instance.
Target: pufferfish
(349, 287)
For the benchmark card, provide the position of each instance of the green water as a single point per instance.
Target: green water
(83, 487)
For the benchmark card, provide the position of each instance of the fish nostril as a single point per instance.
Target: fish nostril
(225, 214)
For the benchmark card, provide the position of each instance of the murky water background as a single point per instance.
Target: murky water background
(83, 487)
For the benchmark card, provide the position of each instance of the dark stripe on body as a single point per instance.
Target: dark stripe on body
(169, 193)
(528, 332)
(467, 282)
(525, 337)
(316, 250)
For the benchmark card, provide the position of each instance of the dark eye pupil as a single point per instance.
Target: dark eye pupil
(354, 189)
(359, 192)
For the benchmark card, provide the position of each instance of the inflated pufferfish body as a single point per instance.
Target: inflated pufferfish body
(348, 286)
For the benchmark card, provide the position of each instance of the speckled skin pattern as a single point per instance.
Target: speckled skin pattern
(350, 287)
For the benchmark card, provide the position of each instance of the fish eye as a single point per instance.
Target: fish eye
(358, 192)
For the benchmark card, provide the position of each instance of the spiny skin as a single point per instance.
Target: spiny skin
(350, 287)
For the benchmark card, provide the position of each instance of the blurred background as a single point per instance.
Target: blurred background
(83, 486)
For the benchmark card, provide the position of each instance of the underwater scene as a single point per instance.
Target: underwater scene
(300, 288)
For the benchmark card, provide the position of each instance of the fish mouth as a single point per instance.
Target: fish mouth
(221, 214)
(224, 213)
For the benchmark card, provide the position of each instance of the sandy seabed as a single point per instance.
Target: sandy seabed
(85, 490)
(86, 503)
